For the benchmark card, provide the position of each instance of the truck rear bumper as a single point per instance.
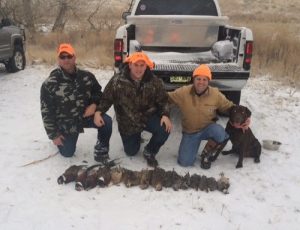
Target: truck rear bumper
(226, 76)
(223, 85)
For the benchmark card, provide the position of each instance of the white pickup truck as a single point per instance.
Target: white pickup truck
(178, 35)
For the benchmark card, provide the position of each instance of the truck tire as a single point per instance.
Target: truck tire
(17, 62)
(234, 96)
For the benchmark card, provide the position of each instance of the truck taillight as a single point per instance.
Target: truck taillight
(248, 55)
(118, 51)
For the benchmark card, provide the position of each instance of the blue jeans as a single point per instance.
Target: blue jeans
(104, 133)
(132, 143)
(190, 143)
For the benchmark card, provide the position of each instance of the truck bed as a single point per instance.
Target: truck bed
(175, 31)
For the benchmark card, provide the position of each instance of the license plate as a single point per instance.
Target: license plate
(179, 79)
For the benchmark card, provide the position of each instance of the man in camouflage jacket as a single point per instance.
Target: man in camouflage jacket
(69, 97)
(141, 103)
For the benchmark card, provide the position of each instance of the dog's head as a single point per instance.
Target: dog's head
(239, 114)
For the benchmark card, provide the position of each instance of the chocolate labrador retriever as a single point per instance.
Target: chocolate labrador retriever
(244, 142)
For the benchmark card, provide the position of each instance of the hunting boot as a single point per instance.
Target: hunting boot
(150, 158)
(101, 152)
(211, 152)
(217, 150)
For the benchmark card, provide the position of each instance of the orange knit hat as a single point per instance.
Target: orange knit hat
(202, 70)
(140, 56)
(65, 48)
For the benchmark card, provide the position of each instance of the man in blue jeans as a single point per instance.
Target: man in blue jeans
(141, 103)
(199, 104)
(69, 97)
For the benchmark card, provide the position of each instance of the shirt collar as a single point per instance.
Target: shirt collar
(194, 93)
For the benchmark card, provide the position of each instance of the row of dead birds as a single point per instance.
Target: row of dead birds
(103, 175)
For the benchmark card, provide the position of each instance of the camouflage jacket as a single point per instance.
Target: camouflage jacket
(64, 99)
(134, 102)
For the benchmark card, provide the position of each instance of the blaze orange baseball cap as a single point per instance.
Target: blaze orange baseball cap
(140, 56)
(65, 48)
(202, 70)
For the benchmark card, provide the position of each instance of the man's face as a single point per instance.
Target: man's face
(137, 70)
(67, 62)
(200, 83)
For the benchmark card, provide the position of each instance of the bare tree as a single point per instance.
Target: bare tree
(61, 20)
(28, 16)
(103, 17)
(12, 9)
(93, 27)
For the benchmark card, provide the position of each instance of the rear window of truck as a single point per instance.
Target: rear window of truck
(176, 7)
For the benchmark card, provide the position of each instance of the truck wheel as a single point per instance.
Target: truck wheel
(17, 62)
(234, 96)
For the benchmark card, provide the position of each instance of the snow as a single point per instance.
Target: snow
(261, 196)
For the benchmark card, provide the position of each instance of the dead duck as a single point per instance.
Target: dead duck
(131, 178)
(168, 179)
(103, 176)
(203, 184)
(177, 181)
(81, 179)
(91, 178)
(186, 180)
(157, 178)
(195, 181)
(145, 179)
(212, 184)
(116, 175)
(223, 184)
(70, 174)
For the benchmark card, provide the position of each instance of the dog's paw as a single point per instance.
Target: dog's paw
(226, 152)
(239, 166)
(256, 160)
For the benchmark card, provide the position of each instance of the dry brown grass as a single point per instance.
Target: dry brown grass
(94, 49)
(276, 48)
(275, 25)
(276, 52)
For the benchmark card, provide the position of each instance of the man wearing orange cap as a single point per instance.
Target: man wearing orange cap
(69, 97)
(141, 103)
(199, 104)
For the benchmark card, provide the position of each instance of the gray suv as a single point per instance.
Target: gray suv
(12, 45)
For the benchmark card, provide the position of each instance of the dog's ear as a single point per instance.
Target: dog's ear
(248, 112)
(230, 110)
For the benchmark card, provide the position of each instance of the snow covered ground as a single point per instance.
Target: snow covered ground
(261, 196)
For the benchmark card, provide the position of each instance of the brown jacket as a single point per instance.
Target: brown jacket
(198, 111)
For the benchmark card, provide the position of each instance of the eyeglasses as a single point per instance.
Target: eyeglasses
(63, 57)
